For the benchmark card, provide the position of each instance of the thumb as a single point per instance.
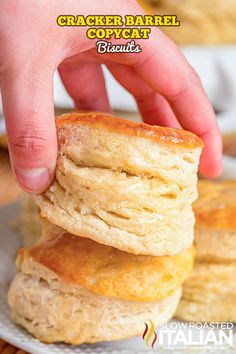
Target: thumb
(27, 96)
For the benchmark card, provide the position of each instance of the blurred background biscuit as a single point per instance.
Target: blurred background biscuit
(209, 294)
(3, 141)
(201, 22)
(215, 229)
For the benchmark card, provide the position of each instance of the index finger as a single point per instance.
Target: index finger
(164, 68)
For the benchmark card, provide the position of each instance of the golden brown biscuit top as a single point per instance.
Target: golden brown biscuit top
(216, 205)
(108, 271)
(106, 121)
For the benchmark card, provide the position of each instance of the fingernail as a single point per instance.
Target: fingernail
(33, 180)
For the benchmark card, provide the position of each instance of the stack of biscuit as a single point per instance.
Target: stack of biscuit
(117, 234)
(209, 294)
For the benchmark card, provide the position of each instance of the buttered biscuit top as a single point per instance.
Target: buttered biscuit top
(103, 270)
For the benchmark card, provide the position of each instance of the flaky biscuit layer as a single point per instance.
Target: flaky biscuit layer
(124, 184)
(52, 315)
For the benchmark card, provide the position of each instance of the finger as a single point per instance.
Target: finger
(27, 97)
(164, 69)
(173, 78)
(153, 107)
(212, 151)
(155, 110)
(85, 84)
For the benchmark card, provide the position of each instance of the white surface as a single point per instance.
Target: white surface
(119, 98)
(215, 66)
(9, 243)
(217, 70)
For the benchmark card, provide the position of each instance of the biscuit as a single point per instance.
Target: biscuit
(52, 315)
(215, 229)
(75, 290)
(200, 22)
(124, 184)
(104, 270)
(3, 141)
(209, 294)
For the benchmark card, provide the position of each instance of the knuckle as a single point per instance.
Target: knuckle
(87, 102)
(177, 94)
(194, 77)
(192, 80)
(32, 145)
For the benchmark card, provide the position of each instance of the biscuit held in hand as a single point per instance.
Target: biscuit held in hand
(124, 184)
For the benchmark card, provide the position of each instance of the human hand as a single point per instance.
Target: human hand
(167, 90)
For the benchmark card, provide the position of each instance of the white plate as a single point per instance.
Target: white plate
(9, 244)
